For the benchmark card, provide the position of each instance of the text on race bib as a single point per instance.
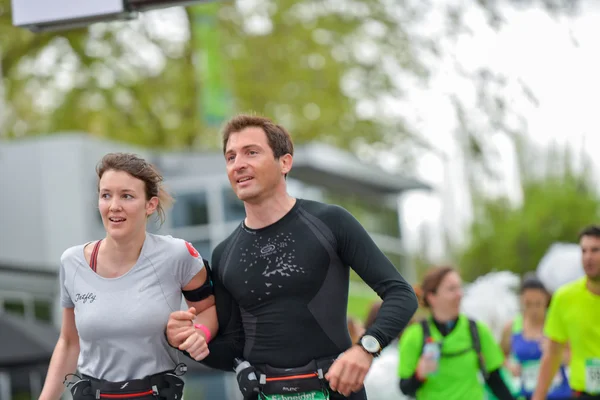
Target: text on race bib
(592, 375)
(315, 395)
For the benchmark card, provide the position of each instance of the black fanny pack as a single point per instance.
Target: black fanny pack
(308, 378)
(165, 385)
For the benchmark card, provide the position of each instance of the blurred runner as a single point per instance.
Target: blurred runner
(522, 341)
(448, 356)
(574, 318)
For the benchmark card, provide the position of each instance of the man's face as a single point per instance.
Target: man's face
(590, 257)
(253, 171)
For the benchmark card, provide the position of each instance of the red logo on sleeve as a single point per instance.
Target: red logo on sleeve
(192, 250)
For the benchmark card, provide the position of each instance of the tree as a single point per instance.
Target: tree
(122, 80)
(323, 70)
(558, 199)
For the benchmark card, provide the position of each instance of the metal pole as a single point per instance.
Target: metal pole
(5, 390)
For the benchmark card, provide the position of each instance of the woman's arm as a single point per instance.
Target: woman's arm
(205, 308)
(64, 357)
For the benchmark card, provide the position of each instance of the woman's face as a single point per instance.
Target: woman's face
(534, 303)
(448, 295)
(123, 205)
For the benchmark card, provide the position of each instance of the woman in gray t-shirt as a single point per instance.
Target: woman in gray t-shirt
(117, 293)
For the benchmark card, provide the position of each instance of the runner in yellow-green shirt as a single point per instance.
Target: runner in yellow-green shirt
(574, 318)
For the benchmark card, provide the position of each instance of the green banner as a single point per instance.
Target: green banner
(215, 100)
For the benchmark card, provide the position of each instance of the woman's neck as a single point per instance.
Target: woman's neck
(441, 316)
(124, 251)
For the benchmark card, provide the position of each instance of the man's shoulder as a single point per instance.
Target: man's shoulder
(219, 250)
(323, 210)
(574, 288)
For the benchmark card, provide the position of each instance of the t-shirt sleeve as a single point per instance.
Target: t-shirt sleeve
(410, 347)
(65, 296)
(189, 262)
(490, 349)
(554, 328)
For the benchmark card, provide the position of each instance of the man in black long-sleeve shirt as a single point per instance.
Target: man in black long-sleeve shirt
(281, 279)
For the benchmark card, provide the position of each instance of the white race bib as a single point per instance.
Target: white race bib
(592, 375)
(530, 371)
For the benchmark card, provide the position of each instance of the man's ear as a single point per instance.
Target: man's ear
(286, 162)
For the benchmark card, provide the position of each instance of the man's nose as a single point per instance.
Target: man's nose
(239, 163)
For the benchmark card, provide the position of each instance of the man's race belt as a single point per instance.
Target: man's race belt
(300, 383)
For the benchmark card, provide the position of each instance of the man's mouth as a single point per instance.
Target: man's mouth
(245, 179)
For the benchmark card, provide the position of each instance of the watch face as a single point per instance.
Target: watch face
(370, 344)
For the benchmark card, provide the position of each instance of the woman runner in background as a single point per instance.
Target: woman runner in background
(117, 294)
(447, 356)
(522, 341)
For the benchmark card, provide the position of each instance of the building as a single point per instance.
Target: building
(49, 203)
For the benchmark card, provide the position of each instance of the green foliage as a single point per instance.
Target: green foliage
(557, 202)
(123, 80)
(314, 71)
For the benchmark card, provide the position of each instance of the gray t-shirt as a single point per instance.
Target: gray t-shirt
(121, 321)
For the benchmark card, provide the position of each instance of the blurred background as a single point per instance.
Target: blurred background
(456, 131)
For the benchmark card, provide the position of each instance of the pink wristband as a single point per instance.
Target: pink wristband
(205, 330)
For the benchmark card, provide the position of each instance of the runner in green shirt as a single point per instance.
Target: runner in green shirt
(457, 356)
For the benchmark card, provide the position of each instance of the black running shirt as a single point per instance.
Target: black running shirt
(281, 292)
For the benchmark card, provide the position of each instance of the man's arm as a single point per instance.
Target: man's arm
(358, 250)
(551, 360)
(553, 346)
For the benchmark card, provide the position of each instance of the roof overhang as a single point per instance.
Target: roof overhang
(327, 166)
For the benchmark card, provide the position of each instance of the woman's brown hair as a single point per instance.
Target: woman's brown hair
(432, 281)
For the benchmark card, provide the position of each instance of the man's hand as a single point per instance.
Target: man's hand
(347, 374)
(180, 326)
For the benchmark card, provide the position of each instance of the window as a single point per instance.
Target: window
(190, 209)
(14, 306)
(43, 310)
(233, 206)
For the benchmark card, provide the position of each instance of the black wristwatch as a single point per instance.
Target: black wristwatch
(370, 345)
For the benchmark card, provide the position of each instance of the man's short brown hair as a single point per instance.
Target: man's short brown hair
(278, 137)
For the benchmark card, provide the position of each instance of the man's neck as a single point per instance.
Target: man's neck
(593, 286)
(268, 211)
(125, 251)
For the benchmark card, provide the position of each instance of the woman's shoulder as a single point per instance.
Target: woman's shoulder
(174, 248)
(74, 253)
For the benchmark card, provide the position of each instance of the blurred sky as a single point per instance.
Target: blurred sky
(556, 57)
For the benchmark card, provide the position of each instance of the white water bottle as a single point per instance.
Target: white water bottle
(431, 351)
